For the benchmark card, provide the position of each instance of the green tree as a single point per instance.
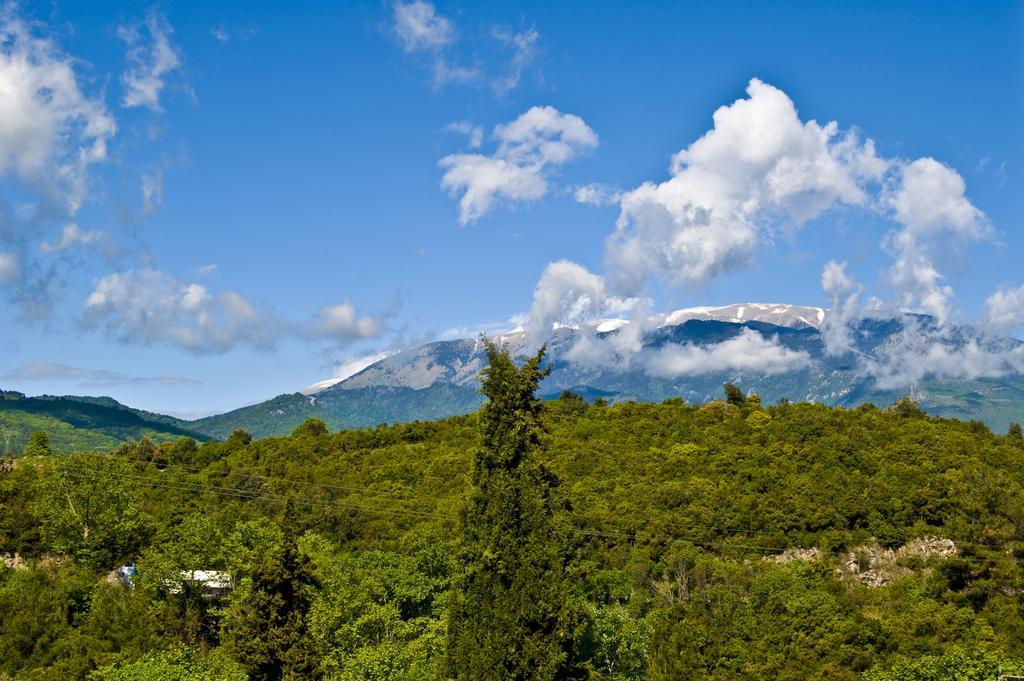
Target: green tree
(906, 407)
(510, 615)
(1015, 431)
(38, 444)
(239, 438)
(89, 507)
(265, 625)
(734, 395)
(312, 427)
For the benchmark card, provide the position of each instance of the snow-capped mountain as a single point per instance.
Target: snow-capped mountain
(458, 362)
(441, 378)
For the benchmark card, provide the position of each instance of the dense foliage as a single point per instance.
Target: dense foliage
(661, 531)
(80, 424)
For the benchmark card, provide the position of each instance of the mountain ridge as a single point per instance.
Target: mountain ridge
(440, 377)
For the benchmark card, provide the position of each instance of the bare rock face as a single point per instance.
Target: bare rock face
(928, 547)
(13, 561)
(796, 553)
(872, 565)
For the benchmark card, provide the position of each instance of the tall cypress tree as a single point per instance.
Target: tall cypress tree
(510, 616)
(265, 627)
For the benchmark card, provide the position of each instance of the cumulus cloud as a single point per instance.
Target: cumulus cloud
(524, 50)
(928, 202)
(1004, 309)
(529, 148)
(758, 167)
(150, 60)
(748, 351)
(568, 294)
(71, 236)
(50, 131)
(150, 307)
(52, 372)
(342, 324)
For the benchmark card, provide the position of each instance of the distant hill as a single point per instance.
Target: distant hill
(355, 408)
(81, 423)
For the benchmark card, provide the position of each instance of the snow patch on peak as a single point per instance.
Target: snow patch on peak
(607, 325)
(793, 316)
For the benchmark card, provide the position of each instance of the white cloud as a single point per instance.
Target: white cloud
(524, 50)
(929, 200)
(529, 148)
(845, 310)
(929, 203)
(350, 366)
(758, 167)
(421, 30)
(346, 368)
(473, 133)
(923, 351)
(10, 268)
(748, 351)
(567, 293)
(73, 235)
(150, 307)
(149, 62)
(596, 194)
(207, 270)
(419, 26)
(1004, 309)
(52, 372)
(342, 323)
(50, 132)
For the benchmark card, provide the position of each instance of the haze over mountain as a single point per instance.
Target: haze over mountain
(777, 351)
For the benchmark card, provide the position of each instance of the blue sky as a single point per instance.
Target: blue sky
(261, 194)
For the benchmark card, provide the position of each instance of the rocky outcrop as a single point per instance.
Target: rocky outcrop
(873, 565)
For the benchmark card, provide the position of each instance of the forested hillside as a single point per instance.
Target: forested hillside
(733, 540)
(81, 423)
